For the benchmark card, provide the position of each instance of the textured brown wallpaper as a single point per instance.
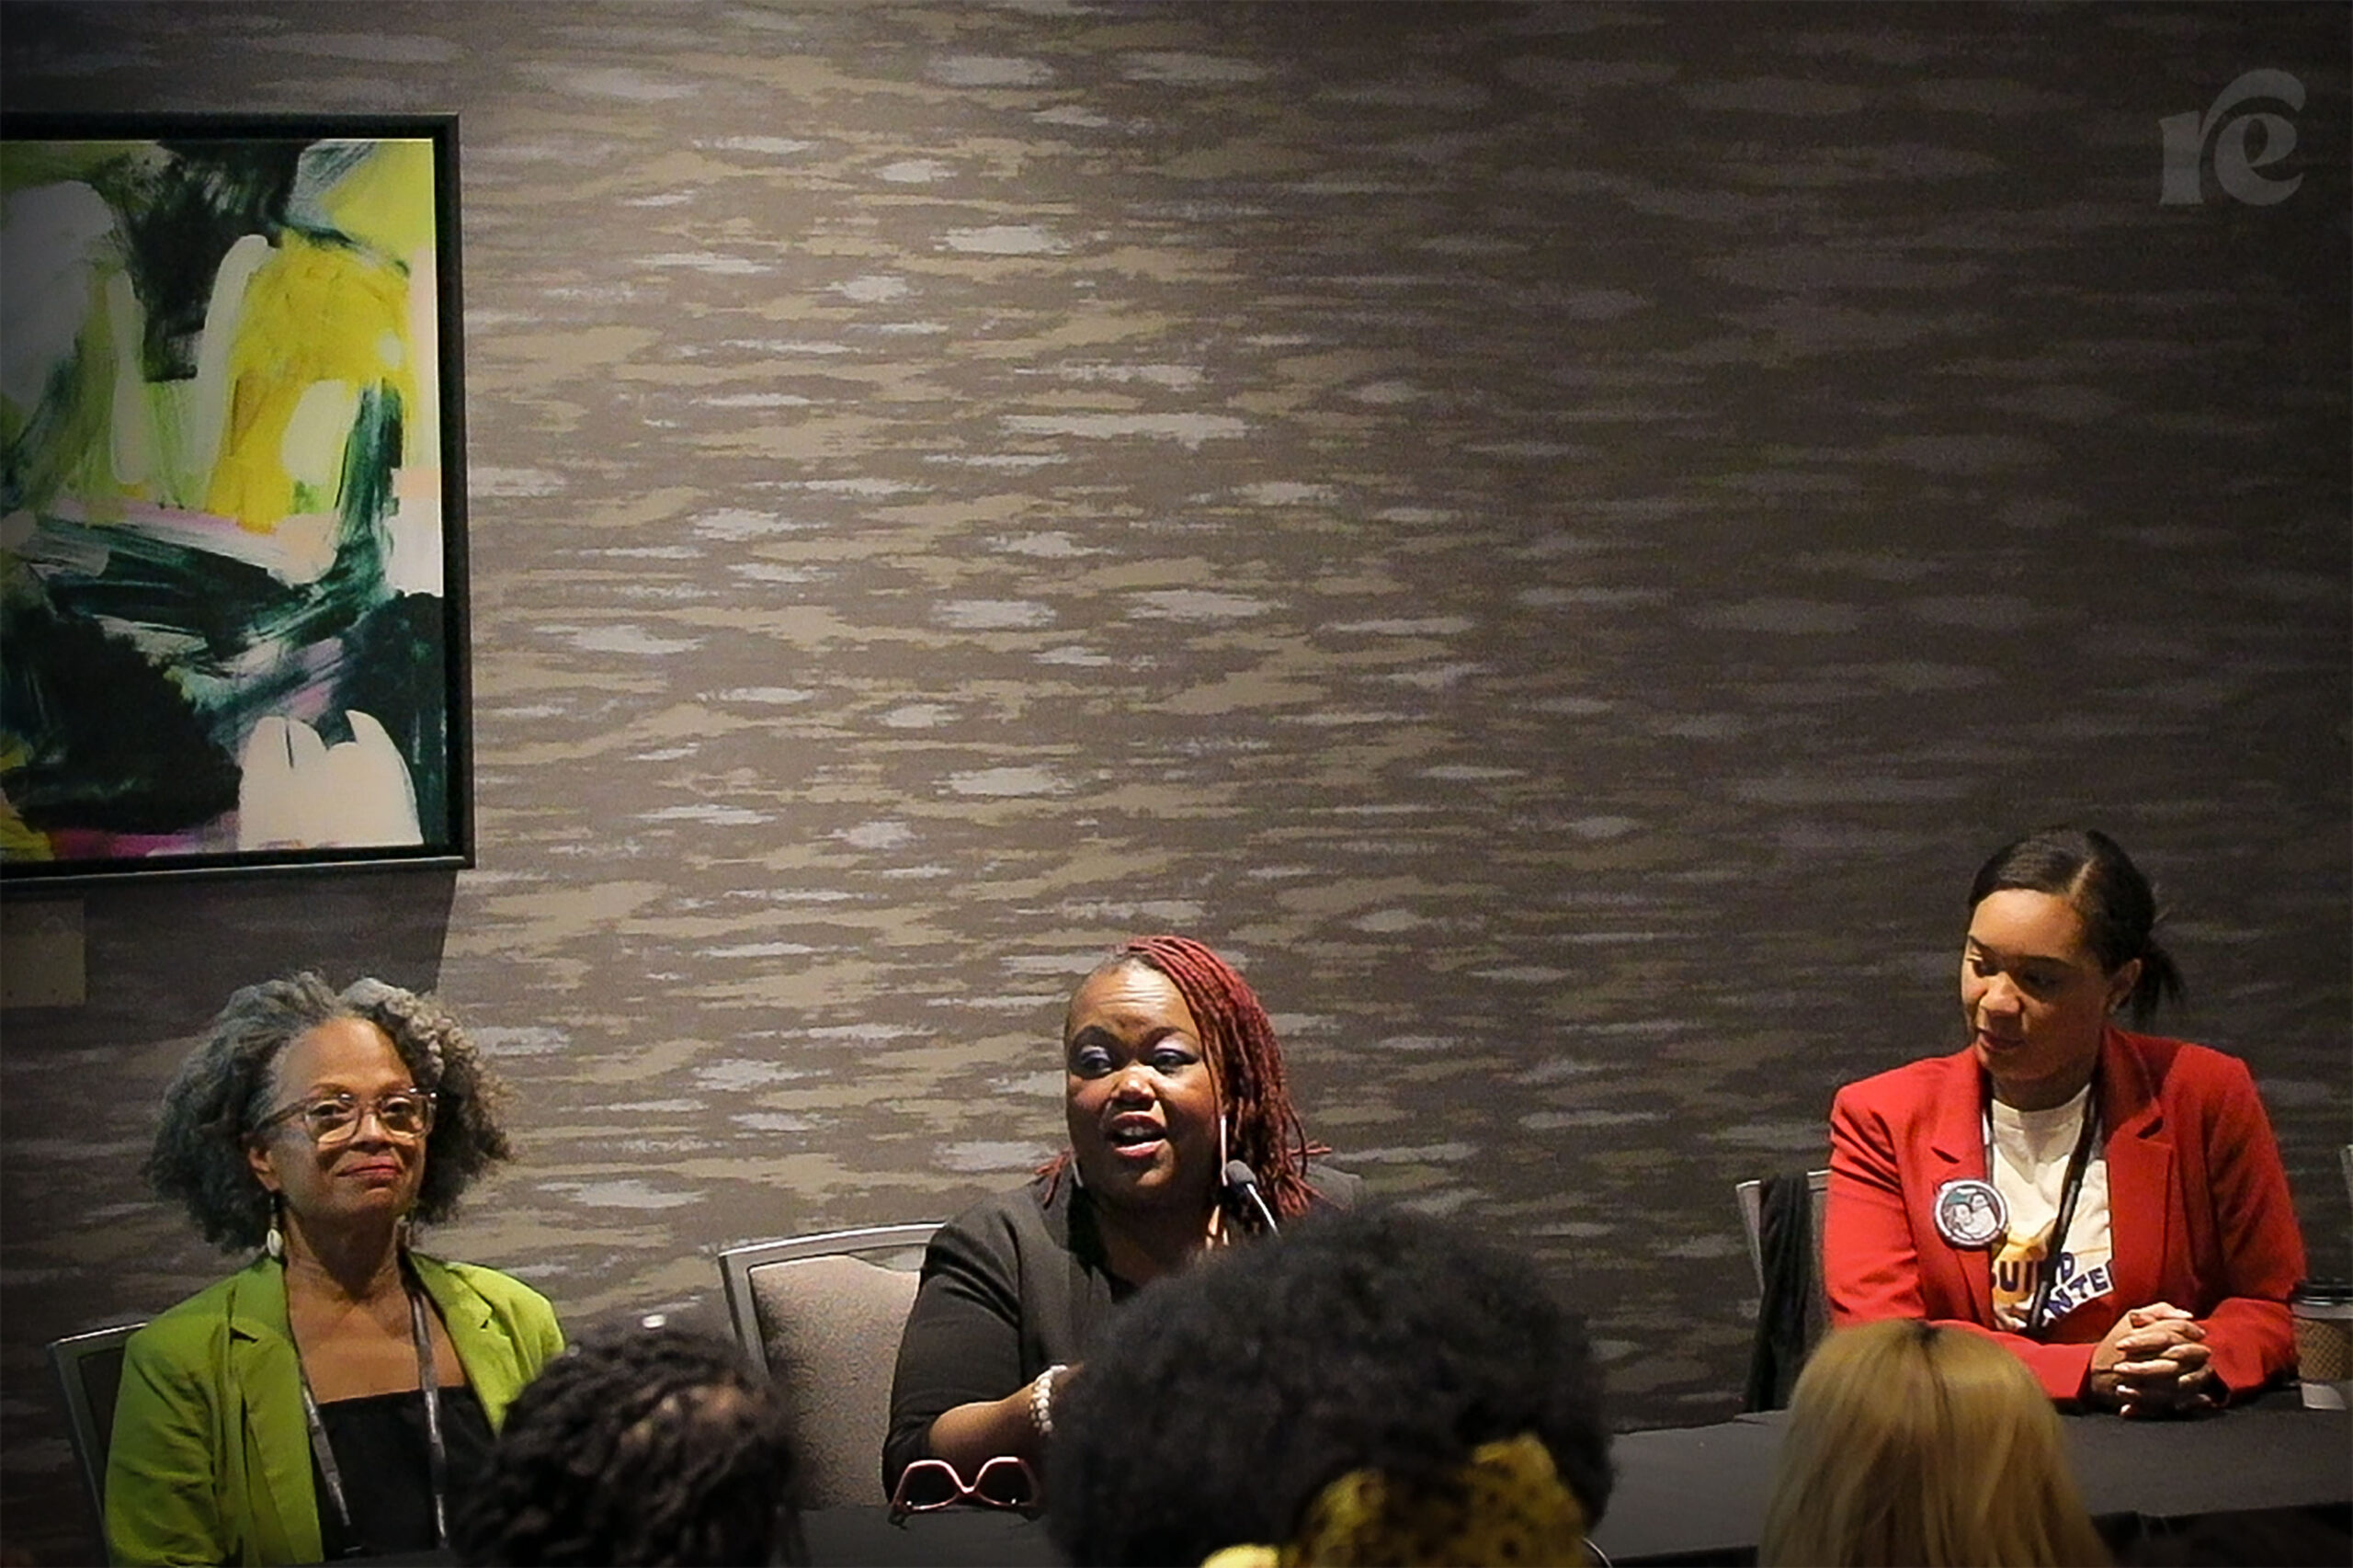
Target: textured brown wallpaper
(1555, 534)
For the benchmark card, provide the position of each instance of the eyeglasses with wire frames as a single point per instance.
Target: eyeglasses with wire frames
(405, 1115)
(1004, 1482)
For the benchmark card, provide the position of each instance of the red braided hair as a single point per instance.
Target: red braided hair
(1238, 1040)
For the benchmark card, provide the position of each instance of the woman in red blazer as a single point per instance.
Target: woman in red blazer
(2151, 1159)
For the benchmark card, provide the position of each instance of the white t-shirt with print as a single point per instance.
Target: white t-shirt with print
(2031, 1149)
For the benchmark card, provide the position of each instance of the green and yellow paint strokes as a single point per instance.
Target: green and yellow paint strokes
(221, 517)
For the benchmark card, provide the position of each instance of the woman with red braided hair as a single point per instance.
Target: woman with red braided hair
(1171, 1075)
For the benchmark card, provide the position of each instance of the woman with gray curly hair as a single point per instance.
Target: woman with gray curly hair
(319, 1402)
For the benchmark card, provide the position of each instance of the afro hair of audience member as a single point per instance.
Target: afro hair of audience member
(1217, 1403)
(638, 1445)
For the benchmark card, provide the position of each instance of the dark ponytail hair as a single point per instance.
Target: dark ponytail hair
(2100, 882)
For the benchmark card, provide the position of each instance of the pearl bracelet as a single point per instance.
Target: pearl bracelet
(1041, 1400)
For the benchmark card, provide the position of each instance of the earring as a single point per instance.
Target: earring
(274, 1243)
(1224, 1158)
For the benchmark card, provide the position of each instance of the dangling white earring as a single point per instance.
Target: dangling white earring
(274, 1243)
(1223, 1156)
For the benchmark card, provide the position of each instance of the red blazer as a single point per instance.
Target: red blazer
(2199, 1214)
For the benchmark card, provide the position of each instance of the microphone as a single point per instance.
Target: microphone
(1241, 1179)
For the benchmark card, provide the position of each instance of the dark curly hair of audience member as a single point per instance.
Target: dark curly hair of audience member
(1217, 1403)
(226, 1085)
(641, 1444)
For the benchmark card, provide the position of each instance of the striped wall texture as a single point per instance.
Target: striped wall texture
(1557, 536)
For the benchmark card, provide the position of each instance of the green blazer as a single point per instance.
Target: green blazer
(211, 1458)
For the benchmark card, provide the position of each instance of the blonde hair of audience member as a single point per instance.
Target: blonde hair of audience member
(1909, 1443)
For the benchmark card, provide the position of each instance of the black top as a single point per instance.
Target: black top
(380, 1446)
(1012, 1285)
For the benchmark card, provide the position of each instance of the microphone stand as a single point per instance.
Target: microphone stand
(1241, 1179)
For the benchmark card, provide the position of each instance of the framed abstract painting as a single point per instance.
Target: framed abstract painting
(233, 630)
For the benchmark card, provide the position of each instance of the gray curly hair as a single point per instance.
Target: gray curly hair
(225, 1087)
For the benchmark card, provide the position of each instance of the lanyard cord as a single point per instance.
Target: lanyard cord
(2077, 1162)
(438, 1455)
(429, 1378)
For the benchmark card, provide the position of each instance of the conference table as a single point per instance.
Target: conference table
(1696, 1495)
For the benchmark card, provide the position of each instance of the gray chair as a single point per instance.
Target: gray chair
(823, 1313)
(1750, 1195)
(89, 1373)
(1792, 1308)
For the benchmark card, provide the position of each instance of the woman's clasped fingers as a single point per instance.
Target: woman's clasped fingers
(2144, 1343)
(2159, 1313)
(2161, 1333)
(2197, 1387)
(2173, 1381)
(2190, 1355)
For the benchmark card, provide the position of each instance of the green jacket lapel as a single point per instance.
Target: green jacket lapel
(486, 1350)
(266, 1376)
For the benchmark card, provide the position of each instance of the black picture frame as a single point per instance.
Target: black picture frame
(234, 554)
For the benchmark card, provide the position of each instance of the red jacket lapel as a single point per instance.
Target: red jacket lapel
(1957, 1137)
(2140, 1174)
